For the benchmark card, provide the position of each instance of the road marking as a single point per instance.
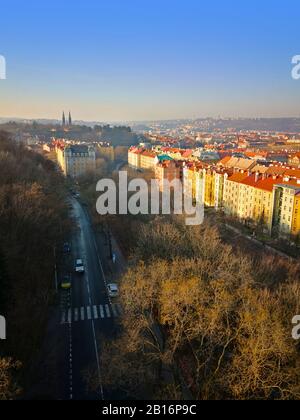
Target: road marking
(76, 315)
(70, 316)
(63, 317)
(107, 311)
(89, 314)
(101, 311)
(113, 307)
(93, 313)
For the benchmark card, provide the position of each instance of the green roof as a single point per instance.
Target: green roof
(164, 157)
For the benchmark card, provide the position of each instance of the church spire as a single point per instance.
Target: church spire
(63, 119)
(70, 119)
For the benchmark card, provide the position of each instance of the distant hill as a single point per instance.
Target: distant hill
(117, 136)
(291, 125)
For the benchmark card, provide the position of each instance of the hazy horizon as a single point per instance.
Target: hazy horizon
(220, 117)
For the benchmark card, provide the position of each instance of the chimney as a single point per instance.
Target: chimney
(256, 176)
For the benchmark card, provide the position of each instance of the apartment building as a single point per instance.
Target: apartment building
(273, 202)
(148, 160)
(167, 170)
(256, 201)
(287, 208)
(76, 160)
(194, 181)
(207, 183)
(134, 157)
(232, 192)
(106, 152)
(265, 195)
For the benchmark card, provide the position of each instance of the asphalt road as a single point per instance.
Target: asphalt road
(88, 316)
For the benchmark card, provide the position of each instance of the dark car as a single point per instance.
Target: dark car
(67, 248)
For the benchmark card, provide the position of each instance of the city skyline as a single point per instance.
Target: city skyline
(127, 62)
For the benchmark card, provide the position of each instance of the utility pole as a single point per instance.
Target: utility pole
(55, 270)
(110, 245)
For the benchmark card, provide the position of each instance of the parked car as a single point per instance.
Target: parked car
(66, 283)
(79, 267)
(113, 290)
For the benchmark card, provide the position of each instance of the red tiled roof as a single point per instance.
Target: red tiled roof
(238, 177)
(187, 153)
(276, 170)
(149, 154)
(294, 173)
(267, 184)
(225, 160)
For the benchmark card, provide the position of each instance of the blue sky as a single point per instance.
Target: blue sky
(113, 60)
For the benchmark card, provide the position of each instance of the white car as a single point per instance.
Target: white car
(79, 268)
(113, 290)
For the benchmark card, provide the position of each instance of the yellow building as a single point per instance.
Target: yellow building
(148, 160)
(134, 157)
(272, 202)
(233, 192)
(76, 160)
(296, 215)
(256, 201)
(107, 152)
(207, 184)
(209, 187)
(194, 182)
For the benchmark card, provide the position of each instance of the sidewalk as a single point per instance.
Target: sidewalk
(113, 271)
(258, 242)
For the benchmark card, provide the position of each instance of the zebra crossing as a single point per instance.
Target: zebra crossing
(88, 313)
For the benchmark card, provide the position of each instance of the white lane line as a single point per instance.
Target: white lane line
(107, 311)
(71, 361)
(70, 316)
(113, 307)
(101, 312)
(76, 315)
(63, 317)
(95, 312)
(82, 313)
(89, 313)
(100, 264)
